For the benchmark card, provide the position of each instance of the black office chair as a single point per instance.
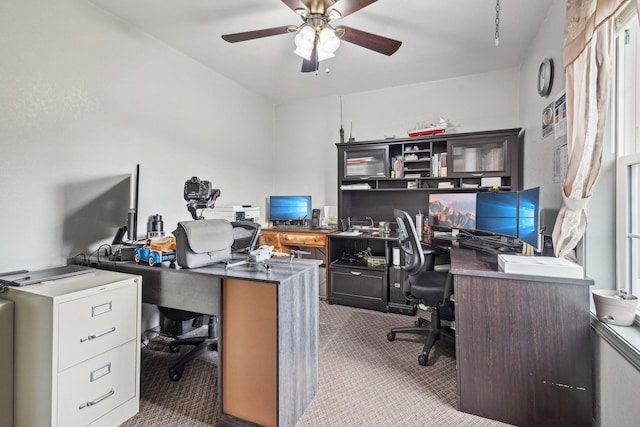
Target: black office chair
(426, 285)
(246, 235)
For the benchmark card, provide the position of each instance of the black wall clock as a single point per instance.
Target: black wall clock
(545, 77)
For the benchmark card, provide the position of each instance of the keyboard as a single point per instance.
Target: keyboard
(481, 245)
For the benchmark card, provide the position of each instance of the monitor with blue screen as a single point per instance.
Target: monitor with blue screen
(497, 213)
(452, 210)
(289, 208)
(528, 209)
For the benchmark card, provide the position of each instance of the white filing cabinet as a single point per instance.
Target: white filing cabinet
(77, 350)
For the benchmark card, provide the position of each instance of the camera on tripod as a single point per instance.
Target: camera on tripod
(200, 195)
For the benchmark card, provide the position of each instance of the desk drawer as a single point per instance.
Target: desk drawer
(93, 324)
(91, 389)
(303, 239)
(270, 239)
(358, 288)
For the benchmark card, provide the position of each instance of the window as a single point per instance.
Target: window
(627, 146)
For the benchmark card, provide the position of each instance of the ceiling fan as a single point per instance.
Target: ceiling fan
(316, 38)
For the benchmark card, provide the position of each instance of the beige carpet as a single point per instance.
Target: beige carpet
(365, 380)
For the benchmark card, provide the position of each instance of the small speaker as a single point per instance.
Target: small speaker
(117, 239)
(547, 221)
(315, 218)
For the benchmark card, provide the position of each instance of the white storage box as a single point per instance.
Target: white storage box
(612, 308)
(539, 266)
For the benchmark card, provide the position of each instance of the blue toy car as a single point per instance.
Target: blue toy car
(154, 254)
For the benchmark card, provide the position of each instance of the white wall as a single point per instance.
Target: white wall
(86, 97)
(307, 131)
(538, 151)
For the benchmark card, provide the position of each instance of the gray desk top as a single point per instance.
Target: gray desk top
(281, 269)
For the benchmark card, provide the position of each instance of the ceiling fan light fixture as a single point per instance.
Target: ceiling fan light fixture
(302, 12)
(328, 42)
(305, 38)
(304, 53)
(334, 14)
(323, 54)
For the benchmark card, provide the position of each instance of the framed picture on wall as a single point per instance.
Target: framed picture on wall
(560, 115)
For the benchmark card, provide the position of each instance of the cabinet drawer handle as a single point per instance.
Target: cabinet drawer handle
(98, 335)
(97, 400)
(97, 310)
(356, 273)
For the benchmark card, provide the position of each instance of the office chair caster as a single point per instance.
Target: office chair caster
(422, 360)
(175, 374)
(391, 336)
(173, 348)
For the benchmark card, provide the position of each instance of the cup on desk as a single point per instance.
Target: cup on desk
(396, 256)
(419, 219)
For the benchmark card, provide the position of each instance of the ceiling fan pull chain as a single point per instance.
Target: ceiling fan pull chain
(497, 34)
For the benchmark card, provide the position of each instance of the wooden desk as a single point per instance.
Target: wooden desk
(268, 331)
(288, 239)
(523, 351)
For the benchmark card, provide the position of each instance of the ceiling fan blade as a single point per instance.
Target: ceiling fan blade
(370, 41)
(255, 34)
(295, 4)
(311, 65)
(347, 7)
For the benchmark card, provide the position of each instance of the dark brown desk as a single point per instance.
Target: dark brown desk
(286, 239)
(523, 353)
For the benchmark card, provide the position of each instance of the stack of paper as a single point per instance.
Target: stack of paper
(540, 266)
(359, 186)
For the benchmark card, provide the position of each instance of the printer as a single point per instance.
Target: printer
(235, 213)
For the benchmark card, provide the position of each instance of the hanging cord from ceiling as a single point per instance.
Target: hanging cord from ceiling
(497, 33)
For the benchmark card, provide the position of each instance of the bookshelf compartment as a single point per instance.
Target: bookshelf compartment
(478, 157)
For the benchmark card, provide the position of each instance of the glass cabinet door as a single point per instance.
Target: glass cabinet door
(478, 158)
(365, 163)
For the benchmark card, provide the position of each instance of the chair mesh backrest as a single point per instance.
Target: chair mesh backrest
(246, 235)
(409, 242)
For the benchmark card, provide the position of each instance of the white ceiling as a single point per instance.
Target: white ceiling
(440, 39)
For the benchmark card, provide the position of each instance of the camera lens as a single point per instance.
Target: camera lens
(155, 226)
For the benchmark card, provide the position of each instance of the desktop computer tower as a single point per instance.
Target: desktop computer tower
(178, 327)
(397, 300)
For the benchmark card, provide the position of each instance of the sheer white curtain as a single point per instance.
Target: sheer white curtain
(588, 55)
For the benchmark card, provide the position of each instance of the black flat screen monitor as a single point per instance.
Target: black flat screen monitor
(452, 210)
(289, 208)
(497, 213)
(528, 210)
